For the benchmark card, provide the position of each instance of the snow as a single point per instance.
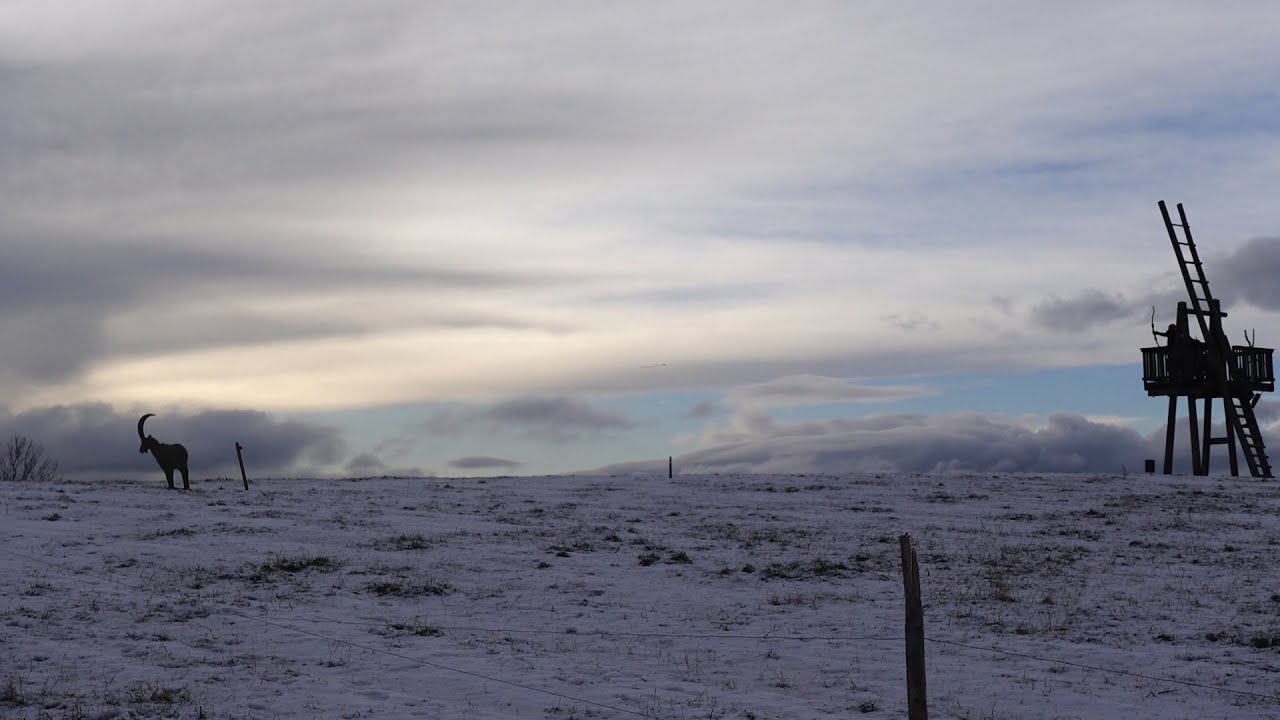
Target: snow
(729, 596)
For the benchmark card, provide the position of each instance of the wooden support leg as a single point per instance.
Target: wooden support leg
(1194, 424)
(1168, 435)
(1208, 432)
(1231, 445)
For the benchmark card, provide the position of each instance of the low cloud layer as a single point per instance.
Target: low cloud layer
(484, 463)
(555, 419)
(369, 464)
(917, 443)
(96, 439)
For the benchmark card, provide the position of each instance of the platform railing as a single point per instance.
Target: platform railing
(1189, 365)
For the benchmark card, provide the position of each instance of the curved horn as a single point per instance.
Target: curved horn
(141, 420)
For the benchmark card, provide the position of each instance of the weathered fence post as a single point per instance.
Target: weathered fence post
(917, 696)
(240, 457)
(671, 467)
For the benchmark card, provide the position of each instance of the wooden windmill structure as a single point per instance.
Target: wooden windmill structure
(1207, 369)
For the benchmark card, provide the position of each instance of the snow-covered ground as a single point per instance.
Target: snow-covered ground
(738, 596)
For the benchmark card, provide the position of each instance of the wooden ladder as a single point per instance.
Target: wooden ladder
(1242, 422)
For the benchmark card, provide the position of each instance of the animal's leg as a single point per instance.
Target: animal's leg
(168, 475)
(186, 484)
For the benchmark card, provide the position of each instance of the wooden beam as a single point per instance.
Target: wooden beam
(1231, 449)
(1208, 430)
(1194, 424)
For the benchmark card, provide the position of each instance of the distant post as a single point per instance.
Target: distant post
(240, 457)
(917, 697)
(671, 467)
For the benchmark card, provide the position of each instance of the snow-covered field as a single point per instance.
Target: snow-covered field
(612, 597)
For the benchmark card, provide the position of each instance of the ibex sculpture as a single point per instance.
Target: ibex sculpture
(170, 457)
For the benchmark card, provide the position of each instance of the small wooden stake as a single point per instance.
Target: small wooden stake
(671, 467)
(241, 459)
(917, 697)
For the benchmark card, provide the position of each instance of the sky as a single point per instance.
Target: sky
(480, 238)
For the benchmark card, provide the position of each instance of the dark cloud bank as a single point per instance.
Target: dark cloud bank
(484, 462)
(95, 439)
(922, 443)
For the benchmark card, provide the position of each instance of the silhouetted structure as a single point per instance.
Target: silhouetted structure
(1207, 369)
(170, 457)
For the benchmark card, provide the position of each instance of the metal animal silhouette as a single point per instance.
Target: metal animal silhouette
(170, 456)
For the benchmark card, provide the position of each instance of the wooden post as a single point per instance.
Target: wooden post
(917, 696)
(1169, 428)
(241, 459)
(1231, 444)
(1194, 424)
(671, 467)
(1208, 444)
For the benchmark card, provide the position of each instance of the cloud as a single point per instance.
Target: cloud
(484, 463)
(1267, 411)
(705, 409)
(96, 439)
(921, 443)
(686, 296)
(914, 321)
(251, 209)
(795, 390)
(1087, 310)
(1249, 273)
(367, 464)
(554, 419)
(1246, 274)
(79, 303)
